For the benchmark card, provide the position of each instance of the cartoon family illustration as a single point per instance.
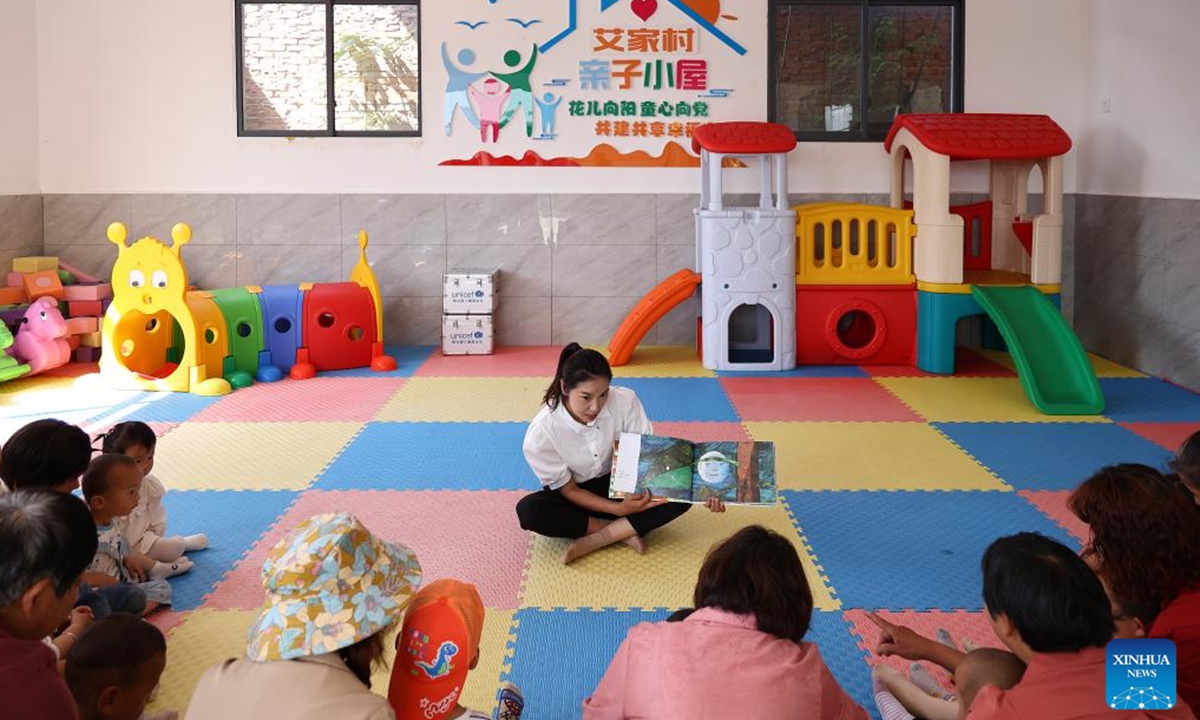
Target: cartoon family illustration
(500, 96)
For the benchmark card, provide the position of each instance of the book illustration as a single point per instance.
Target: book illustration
(683, 471)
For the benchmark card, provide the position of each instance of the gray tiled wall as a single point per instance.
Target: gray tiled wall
(1137, 283)
(574, 265)
(20, 227)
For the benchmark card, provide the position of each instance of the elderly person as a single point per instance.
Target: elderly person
(333, 590)
(47, 540)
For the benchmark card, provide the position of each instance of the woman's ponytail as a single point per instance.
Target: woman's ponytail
(575, 365)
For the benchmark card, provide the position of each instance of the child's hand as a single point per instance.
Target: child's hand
(715, 504)
(898, 640)
(134, 567)
(81, 617)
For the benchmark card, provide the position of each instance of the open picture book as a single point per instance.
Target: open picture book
(740, 473)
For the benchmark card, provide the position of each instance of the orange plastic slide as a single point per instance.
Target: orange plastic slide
(649, 310)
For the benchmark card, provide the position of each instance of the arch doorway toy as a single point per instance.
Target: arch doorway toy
(160, 335)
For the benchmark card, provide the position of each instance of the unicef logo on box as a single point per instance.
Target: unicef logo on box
(1141, 675)
(478, 334)
(478, 293)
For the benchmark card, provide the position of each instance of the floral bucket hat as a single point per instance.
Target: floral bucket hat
(330, 583)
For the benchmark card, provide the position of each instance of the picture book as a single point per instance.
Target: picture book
(740, 473)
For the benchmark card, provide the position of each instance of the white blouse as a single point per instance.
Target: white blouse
(559, 448)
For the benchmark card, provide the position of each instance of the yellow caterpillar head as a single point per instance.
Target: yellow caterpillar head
(149, 275)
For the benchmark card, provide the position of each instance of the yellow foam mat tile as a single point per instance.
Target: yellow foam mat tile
(205, 638)
(870, 456)
(249, 456)
(483, 681)
(55, 396)
(661, 361)
(457, 399)
(960, 399)
(617, 577)
(1104, 367)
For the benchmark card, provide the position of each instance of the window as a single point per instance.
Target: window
(328, 67)
(843, 69)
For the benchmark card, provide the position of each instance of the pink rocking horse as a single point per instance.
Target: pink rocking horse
(39, 339)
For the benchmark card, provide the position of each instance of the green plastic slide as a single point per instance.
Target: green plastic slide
(1055, 371)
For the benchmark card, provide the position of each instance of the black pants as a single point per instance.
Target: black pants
(547, 512)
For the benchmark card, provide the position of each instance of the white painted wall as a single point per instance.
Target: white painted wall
(19, 89)
(139, 96)
(1143, 59)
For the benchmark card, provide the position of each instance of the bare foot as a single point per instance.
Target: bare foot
(637, 542)
(618, 531)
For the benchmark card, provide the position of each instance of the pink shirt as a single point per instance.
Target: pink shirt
(716, 664)
(1063, 686)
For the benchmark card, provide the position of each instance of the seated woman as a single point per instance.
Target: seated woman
(333, 592)
(740, 654)
(1146, 547)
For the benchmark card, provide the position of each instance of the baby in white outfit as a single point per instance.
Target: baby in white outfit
(145, 529)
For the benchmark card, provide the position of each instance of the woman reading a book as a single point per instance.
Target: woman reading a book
(569, 446)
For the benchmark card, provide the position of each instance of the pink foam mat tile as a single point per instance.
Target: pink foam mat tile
(702, 431)
(1053, 504)
(1168, 434)
(973, 626)
(514, 361)
(167, 620)
(73, 370)
(467, 535)
(800, 399)
(322, 399)
(967, 363)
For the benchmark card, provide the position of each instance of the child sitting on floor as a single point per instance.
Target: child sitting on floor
(436, 648)
(114, 668)
(1187, 466)
(145, 528)
(50, 454)
(111, 487)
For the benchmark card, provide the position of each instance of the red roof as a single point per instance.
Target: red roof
(743, 138)
(985, 136)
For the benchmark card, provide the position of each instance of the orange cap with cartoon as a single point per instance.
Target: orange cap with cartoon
(434, 650)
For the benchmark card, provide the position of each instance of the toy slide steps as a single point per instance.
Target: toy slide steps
(1054, 369)
(649, 310)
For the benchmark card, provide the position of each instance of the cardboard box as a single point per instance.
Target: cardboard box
(34, 263)
(470, 292)
(467, 335)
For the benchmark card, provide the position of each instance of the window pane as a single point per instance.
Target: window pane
(283, 67)
(375, 67)
(910, 62)
(817, 71)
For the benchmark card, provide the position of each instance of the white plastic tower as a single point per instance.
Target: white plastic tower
(746, 256)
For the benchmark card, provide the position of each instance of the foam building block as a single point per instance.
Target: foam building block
(43, 284)
(88, 291)
(34, 264)
(91, 340)
(86, 354)
(16, 279)
(73, 342)
(85, 308)
(83, 325)
(13, 296)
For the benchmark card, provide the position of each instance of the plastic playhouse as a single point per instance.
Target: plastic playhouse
(160, 335)
(886, 285)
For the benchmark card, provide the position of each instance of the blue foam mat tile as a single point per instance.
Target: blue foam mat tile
(173, 407)
(682, 399)
(811, 371)
(432, 456)
(1051, 456)
(1148, 400)
(409, 358)
(560, 655)
(842, 655)
(910, 550)
(233, 520)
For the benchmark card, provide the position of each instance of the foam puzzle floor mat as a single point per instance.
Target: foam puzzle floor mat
(892, 483)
